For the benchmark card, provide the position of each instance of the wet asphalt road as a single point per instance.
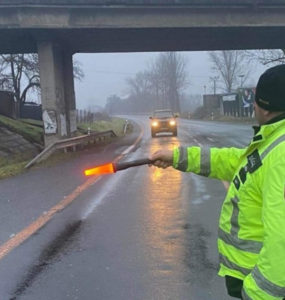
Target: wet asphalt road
(143, 233)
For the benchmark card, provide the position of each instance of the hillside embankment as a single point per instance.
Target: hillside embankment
(21, 140)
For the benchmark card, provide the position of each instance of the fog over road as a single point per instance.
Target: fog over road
(143, 233)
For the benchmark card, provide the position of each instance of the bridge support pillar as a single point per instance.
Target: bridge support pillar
(57, 91)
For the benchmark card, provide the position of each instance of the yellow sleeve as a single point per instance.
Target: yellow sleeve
(220, 163)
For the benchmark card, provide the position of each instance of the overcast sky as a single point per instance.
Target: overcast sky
(105, 74)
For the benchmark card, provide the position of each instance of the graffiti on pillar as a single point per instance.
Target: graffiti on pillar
(50, 124)
(63, 131)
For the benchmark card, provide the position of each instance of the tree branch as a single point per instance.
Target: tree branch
(29, 86)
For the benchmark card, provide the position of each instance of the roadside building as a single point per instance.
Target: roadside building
(7, 104)
(236, 104)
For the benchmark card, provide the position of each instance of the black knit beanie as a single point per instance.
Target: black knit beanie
(270, 89)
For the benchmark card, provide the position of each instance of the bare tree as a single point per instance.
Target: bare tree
(159, 86)
(140, 91)
(231, 66)
(78, 71)
(139, 84)
(3, 79)
(157, 83)
(19, 73)
(169, 78)
(18, 70)
(268, 57)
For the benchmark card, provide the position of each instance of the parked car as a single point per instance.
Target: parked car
(163, 120)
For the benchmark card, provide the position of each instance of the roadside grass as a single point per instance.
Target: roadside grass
(30, 132)
(14, 165)
(33, 122)
(12, 169)
(115, 124)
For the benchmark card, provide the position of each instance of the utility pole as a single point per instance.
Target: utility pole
(241, 77)
(214, 79)
(241, 105)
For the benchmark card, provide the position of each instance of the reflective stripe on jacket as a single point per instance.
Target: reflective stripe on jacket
(251, 234)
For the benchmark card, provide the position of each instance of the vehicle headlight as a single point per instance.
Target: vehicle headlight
(172, 122)
(154, 123)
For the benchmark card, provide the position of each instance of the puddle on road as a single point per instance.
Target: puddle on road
(49, 255)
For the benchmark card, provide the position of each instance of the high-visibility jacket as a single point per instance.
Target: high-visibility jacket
(251, 234)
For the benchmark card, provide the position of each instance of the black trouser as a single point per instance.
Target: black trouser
(234, 286)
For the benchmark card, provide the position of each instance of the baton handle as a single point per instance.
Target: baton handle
(125, 165)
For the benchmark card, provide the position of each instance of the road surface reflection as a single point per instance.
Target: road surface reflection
(164, 216)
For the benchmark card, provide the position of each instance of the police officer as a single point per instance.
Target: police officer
(251, 233)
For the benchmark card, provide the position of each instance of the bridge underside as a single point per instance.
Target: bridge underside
(144, 39)
(242, 24)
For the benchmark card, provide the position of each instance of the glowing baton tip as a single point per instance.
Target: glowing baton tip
(104, 169)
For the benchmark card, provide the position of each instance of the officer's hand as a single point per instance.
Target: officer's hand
(162, 158)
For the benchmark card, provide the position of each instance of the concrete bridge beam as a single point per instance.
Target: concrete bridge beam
(57, 91)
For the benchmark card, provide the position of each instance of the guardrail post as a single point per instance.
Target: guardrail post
(126, 127)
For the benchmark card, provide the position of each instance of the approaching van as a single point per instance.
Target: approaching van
(163, 120)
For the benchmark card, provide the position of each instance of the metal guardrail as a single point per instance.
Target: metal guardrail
(71, 142)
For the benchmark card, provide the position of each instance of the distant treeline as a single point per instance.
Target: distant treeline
(159, 86)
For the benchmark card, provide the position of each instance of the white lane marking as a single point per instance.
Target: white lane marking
(128, 150)
(110, 184)
(96, 201)
(210, 139)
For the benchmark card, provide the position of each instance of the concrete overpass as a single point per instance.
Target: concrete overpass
(57, 29)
